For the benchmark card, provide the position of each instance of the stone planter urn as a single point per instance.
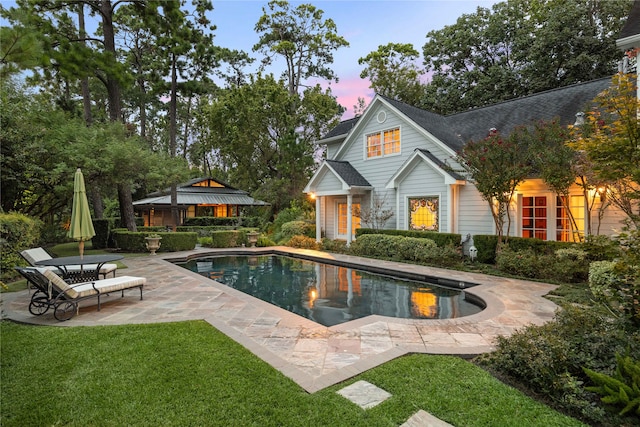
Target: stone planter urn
(153, 243)
(253, 238)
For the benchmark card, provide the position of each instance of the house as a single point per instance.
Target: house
(403, 159)
(198, 197)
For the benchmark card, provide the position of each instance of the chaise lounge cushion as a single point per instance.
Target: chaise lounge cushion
(105, 286)
(38, 254)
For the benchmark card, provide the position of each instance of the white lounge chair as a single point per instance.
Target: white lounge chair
(39, 254)
(53, 291)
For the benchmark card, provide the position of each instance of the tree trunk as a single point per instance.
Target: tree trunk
(113, 91)
(173, 106)
(113, 87)
(96, 201)
(125, 200)
(84, 82)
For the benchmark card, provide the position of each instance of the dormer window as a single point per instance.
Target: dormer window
(383, 143)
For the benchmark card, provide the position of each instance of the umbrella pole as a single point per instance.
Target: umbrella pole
(81, 248)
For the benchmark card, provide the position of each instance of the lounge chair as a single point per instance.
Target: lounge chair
(38, 254)
(53, 291)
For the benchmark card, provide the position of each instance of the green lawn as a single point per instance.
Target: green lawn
(188, 373)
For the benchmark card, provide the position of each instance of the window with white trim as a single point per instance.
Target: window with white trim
(383, 143)
(423, 213)
(534, 217)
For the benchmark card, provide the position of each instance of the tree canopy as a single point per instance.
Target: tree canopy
(513, 49)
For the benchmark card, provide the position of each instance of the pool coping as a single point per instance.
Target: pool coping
(312, 355)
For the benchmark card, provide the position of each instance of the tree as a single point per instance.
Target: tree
(263, 136)
(555, 162)
(496, 166)
(376, 216)
(301, 38)
(520, 47)
(610, 140)
(20, 48)
(393, 72)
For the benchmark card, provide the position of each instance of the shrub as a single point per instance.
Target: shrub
(336, 246)
(549, 358)
(224, 239)
(232, 222)
(600, 248)
(264, 241)
(486, 245)
(374, 245)
(441, 239)
(564, 265)
(402, 248)
(296, 228)
(519, 263)
(303, 242)
(621, 390)
(17, 233)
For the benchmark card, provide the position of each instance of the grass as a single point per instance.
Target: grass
(188, 373)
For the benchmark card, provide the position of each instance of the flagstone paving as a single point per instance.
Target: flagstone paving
(313, 355)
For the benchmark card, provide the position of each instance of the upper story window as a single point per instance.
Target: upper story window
(383, 143)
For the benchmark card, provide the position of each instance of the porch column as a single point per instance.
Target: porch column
(450, 213)
(349, 219)
(318, 219)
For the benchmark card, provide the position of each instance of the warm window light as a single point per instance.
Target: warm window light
(313, 295)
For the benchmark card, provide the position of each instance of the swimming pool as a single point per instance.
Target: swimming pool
(330, 294)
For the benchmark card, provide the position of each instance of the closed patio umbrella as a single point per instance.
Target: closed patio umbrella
(81, 227)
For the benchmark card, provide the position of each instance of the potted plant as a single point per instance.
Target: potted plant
(153, 243)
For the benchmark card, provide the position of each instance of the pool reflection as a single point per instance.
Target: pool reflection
(329, 294)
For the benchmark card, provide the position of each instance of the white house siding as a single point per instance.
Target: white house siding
(380, 169)
(611, 223)
(329, 214)
(474, 216)
(421, 181)
(329, 183)
(332, 149)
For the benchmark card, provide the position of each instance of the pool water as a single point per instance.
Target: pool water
(329, 294)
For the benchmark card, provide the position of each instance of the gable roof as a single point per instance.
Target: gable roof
(348, 173)
(341, 128)
(435, 124)
(562, 102)
(632, 26)
(455, 130)
(421, 155)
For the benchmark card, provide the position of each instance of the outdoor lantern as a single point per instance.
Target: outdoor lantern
(473, 253)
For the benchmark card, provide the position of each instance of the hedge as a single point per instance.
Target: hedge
(403, 248)
(130, 241)
(232, 221)
(441, 239)
(487, 245)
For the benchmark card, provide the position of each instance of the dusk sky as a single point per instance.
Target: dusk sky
(365, 24)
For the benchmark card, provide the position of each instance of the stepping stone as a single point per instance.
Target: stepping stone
(364, 394)
(424, 419)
